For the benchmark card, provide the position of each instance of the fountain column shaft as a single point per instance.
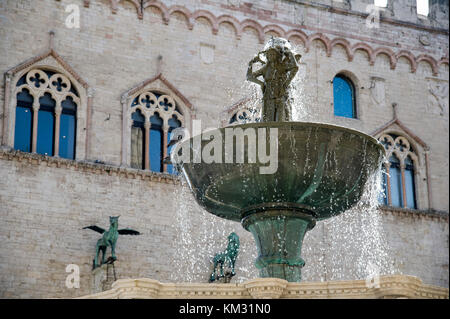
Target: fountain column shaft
(279, 236)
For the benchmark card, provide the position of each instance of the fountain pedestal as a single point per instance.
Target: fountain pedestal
(278, 231)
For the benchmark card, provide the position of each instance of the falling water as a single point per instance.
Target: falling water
(200, 235)
(352, 245)
(349, 246)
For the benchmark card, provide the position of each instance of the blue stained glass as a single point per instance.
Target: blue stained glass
(396, 182)
(138, 118)
(382, 197)
(67, 136)
(344, 97)
(67, 131)
(155, 149)
(409, 184)
(156, 141)
(46, 125)
(23, 131)
(24, 122)
(169, 166)
(173, 123)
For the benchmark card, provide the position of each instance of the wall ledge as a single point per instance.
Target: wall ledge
(92, 167)
(388, 287)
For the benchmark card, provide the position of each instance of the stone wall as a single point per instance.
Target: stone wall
(44, 207)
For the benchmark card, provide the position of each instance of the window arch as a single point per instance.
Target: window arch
(399, 172)
(245, 115)
(154, 115)
(45, 114)
(344, 96)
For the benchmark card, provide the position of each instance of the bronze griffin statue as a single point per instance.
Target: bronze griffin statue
(279, 67)
(109, 239)
(227, 258)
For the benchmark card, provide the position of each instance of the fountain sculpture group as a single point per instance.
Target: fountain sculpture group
(321, 169)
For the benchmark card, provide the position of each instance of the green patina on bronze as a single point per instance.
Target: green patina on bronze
(226, 259)
(279, 67)
(322, 171)
(109, 239)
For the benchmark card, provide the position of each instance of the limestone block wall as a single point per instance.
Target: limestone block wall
(42, 222)
(43, 207)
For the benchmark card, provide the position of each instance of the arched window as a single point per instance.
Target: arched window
(154, 116)
(245, 115)
(46, 114)
(344, 100)
(399, 172)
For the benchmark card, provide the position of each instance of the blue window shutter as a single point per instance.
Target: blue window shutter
(67, 131)
(46, 125)
(409, 184)
(344, 97)
(24, 121)
(156, 143)
(396, 182)
(173, 124)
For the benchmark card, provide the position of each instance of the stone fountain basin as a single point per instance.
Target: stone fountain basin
(322, 170)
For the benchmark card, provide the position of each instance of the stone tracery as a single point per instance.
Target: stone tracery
(39, 83)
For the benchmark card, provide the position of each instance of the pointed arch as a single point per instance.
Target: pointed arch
(54, 72)
(153, 91)
(419, 152)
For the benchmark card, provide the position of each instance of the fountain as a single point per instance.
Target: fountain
(313, 172)
(316, 171)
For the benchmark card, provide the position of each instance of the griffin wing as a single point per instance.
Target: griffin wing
(95, 228)
(127, 231)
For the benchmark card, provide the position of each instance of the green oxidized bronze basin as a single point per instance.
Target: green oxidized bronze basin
(322, 171)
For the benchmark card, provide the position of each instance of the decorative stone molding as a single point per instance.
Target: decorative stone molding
(168, 91)
(395, 286)
(246, 110)
(51, 61)
(419, 155)
(266, 288)
(86, 167)
(416, 213)
(293, 33)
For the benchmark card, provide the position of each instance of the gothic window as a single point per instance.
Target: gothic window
(399, 172)
(45, 120)
(344, 97)
(245, 115)
(154, 116)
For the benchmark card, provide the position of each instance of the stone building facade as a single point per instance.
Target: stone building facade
(195, 54)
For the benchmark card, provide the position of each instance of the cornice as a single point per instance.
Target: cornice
(291, 32)
(87, 167)
(392, 286)
(416, 213)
